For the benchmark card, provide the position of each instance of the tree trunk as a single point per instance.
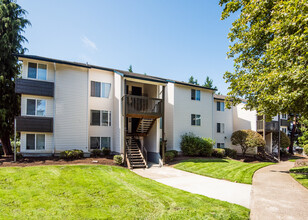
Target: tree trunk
(292, 135)
(6, 145)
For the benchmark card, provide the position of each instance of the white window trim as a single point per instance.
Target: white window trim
(37, 71)
(222, 128)
(220, 103)
(196, 120)
(101, 90)
(35, 142)
(100, 142)
(36, 107)
(196, 95)
(101, 118)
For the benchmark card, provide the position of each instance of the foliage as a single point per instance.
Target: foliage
(12, 25)
(209, 83)
(269, 49)
(130, 68)
(71, 154)
(101, 192)
(299, 170)
(284, 140)
(106, 151)
(19, 156)
(227, 169)
(303, 139)
(247, 139)
(169, 156)
(300, 174)
(175, 152)
(193, 81)
(96, 153)
(218, 152)
(306, 149)
(118, 159)
(230, 153)
(192, 145)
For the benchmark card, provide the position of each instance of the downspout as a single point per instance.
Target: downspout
(54, 108)
(213, 116)
(87, 111)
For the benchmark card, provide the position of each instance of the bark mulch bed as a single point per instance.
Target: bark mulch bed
(42, 161)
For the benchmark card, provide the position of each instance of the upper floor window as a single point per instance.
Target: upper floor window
(37, 71)
(100, 118)
(220, 128)
(284, 130)
(195, 119)
(36, 107)
(284, 116)
(35, 141)
(195, 94)
(220, 106)
(99, 89)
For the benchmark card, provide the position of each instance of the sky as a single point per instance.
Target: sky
(173, 39)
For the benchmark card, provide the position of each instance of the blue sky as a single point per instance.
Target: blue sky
(172, 39)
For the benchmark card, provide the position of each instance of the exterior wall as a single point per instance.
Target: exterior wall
(48, 143)
(49, 104)
(99, 103)
(183, 108)
(50, 69)
(225, 117)
(71, 109)
(118, 123)
(169, 115)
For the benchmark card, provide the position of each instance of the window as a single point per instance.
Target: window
(99, 89)
(284, 116)
(106, 118)
(220, 106)
(100, 118)
(195, 95)
(220, 128)
(35, 141)
(195, 119)
(220, 145)
(284, 130)
(99, 142)
(36, 107)
(37, 71)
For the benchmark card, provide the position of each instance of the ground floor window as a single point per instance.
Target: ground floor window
(100, 142)
(284, 130)
(35, 141)
(220, 145)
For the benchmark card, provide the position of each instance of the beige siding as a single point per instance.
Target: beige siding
(71, 109)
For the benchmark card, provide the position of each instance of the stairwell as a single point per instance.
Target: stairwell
(135, 156)
(145, 125)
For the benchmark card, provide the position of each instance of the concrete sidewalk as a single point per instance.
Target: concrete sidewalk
(237, 193)
(276, 195)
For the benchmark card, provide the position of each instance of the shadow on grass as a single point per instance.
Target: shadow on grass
(205, 160)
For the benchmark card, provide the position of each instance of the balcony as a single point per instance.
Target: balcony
(34, 124)
(269, 126)
(142, 107)
(34, 87)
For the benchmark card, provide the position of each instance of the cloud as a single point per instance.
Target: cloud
(88, 43)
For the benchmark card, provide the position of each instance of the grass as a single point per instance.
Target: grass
(100, 192)
(301, 175)
(227, 169)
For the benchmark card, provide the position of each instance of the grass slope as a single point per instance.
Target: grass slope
(100, 192)
(301, 175)
(227, 169)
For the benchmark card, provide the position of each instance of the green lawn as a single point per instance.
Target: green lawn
(227, 169)
(300, 174)
(100, 192)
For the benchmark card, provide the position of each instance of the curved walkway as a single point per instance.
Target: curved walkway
(237, 193)
(276, 195)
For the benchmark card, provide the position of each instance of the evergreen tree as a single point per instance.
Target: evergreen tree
(193, 81)
(130, 68)
(12, 25)
(209, 83)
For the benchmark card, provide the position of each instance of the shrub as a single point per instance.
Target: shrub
(218, 152)
(106, 151)
(192, 145)
(97, 153)
(230, 153)
(247, 139)
(175, 153)
(299, 170)
(169, 156)
(306, 149)
(19, 156)
(117, 159)
(71, 154)
(284, 140)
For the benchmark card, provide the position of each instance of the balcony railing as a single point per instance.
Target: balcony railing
(139, 106)
(269, 126)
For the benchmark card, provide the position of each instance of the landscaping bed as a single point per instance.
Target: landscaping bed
(100, 192)
(41, 161)
(227, 169)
